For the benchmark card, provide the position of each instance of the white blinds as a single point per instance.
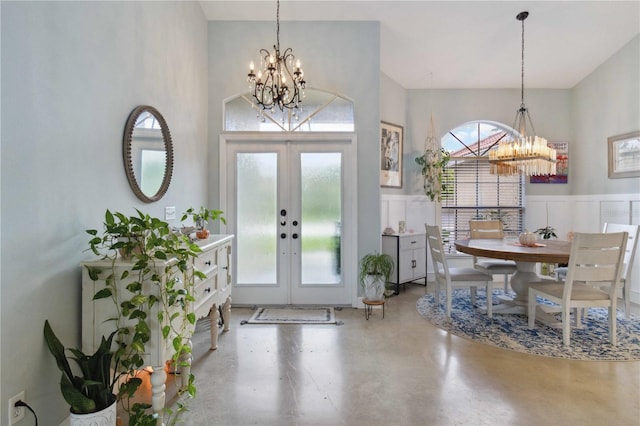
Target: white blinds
(473, 192)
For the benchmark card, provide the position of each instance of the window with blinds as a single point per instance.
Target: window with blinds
(471, 191)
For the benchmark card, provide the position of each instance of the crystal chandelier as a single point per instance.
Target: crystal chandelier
(275, 83)
(524, 154)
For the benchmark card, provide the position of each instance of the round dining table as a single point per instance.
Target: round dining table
(548, 251)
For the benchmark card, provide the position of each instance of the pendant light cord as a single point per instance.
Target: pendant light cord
(522, 72)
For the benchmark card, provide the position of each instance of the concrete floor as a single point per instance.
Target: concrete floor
(399, 370)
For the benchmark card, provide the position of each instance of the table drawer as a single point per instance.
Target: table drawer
(204, 292)
(411, 242)
(207, 262)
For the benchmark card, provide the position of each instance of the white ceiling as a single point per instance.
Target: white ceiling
(468, 44)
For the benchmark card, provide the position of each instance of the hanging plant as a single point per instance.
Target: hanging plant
(433, 163)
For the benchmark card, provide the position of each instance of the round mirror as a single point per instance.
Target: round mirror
(148, 153)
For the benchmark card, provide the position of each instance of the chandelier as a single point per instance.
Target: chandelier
(523, 154)
(275, 83)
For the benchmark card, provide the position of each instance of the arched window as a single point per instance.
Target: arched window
(471, 191)
(320, 111)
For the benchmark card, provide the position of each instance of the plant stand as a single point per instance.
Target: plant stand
(368, 307)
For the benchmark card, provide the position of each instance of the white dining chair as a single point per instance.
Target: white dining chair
(455, 277)
(629, 257)
(491, 229)
(594, 259)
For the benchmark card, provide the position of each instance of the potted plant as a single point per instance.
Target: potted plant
(201, 218)
(375, 270)
(433, 163)
(90, 393)
(547, 232)
(159, 277)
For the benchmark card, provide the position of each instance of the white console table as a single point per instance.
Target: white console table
(211, 293)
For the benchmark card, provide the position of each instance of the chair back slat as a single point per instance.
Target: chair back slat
(633, 232)
(596, 258)
(486, 229)
(434, 240)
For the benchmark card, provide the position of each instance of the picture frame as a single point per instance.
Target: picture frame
(624, 155)
(391, 146)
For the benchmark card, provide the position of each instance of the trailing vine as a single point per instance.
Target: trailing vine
(162, 259)
(433, 163)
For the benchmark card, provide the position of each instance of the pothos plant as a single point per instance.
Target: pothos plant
(433, 163)
(157, 257)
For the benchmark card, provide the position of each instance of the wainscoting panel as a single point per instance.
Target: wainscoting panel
(580, 213)
(615, 212)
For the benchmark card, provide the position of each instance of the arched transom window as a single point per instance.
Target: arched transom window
(320, 111)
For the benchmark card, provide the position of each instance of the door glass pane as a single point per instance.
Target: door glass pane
(257, 181)
(320, 187)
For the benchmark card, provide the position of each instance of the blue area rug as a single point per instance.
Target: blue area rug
(510, 331)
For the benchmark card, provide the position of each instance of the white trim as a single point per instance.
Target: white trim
(350, 231)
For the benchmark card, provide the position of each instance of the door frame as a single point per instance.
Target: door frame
(349, 233)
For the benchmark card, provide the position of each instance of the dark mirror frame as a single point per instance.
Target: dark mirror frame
(126, 153)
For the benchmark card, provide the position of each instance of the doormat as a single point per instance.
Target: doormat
(293, 315)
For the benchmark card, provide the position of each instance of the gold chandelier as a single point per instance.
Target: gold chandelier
(278, 82)
(523, 154)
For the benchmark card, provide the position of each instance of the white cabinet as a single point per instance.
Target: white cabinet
(409, 253)
(212, 294)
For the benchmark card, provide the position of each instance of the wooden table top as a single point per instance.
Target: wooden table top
(550, 251)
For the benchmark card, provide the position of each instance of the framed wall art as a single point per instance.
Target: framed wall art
(624, 155)
(391, 141)
(562, 165)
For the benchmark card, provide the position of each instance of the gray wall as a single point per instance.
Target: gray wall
(393, 109)
(71, 74)
(550, 110)
(337, 56)
(606, 103)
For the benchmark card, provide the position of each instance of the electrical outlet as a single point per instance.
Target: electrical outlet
(169, 213)
(16, 413)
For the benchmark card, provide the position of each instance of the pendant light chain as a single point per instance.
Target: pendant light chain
(278, 28)
(279, 83)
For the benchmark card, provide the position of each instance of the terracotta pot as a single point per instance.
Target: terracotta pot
(202, 234)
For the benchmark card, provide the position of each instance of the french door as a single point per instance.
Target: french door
(291, 206)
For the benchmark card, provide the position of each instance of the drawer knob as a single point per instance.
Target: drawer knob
(225, 267)
(208, 263)
(207, 290)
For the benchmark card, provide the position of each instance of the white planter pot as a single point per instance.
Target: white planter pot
(106, 417)
(374, 287)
